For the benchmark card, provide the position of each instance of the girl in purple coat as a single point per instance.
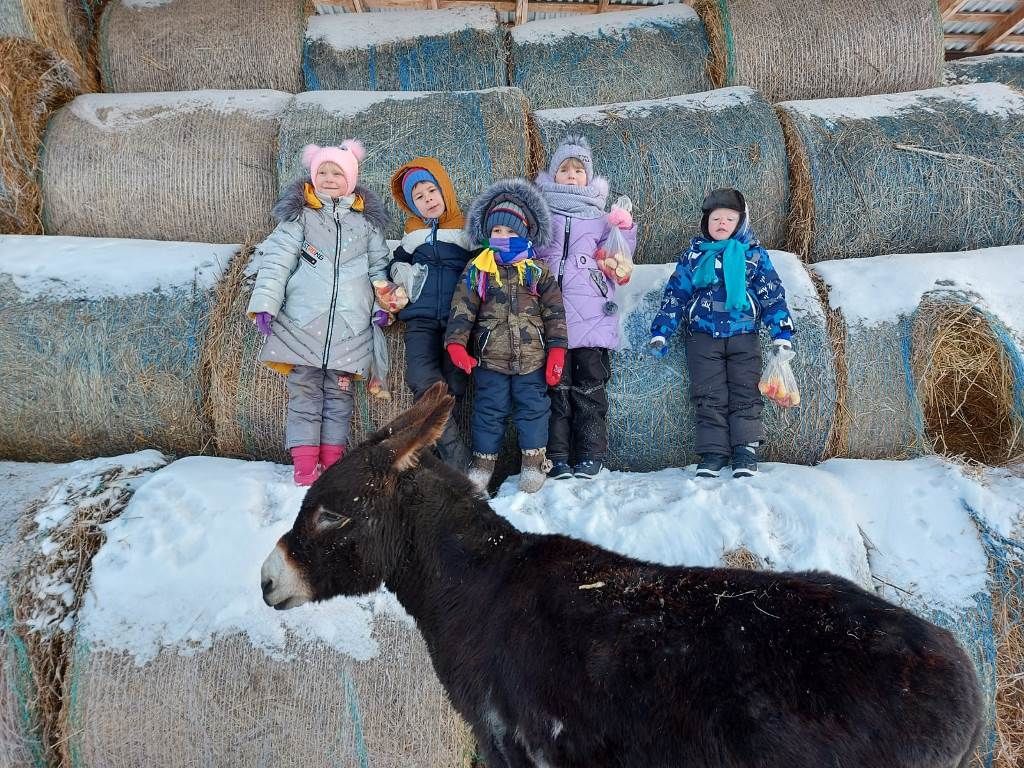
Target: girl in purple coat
(578, 430)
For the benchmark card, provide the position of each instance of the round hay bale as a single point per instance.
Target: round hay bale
(52, 25)
(186, 45)
(455, 49)
(219, 678)
(196, 166)
(1006, 68)
(666, 154)
(933, 353)
(581, 60)
(100, 357)
(478, 136)
(650, 416)
(804, 49)
(937, 170)
(33, 82)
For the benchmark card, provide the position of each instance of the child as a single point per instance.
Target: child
(433, 253)
(579, 404)
(313, 300)
(508, 310)
(723, 286)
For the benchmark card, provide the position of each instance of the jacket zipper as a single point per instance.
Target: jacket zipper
(334, 291)
(437, 262)
(565, 250)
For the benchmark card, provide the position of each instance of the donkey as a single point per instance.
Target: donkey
(561, 654)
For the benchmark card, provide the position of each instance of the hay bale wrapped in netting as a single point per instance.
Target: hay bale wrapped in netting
(52, 24)
(805, 49)
(456, 49)
(1006, 68)
(478, 136)
(216, 677)
(933, 353)
(33, 82)
(666, 154)
(577, 61)
(186, 45)
(197, 166)
(937, 170)
(100, 327)
(650, 417)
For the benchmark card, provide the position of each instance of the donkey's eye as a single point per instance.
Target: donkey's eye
(328, 517)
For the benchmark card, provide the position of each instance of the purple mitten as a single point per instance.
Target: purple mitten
(382, 318)
(263, 321)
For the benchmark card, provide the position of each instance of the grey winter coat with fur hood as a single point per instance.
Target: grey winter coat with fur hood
(315, 277)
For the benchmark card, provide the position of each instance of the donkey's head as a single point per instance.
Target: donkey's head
(340, 542)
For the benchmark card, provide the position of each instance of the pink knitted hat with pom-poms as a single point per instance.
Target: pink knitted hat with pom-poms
(347, 156)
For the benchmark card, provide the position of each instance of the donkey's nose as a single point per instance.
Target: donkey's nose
(268, 587)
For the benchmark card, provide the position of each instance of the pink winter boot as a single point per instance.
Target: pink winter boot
(304, 469)
(330, 454)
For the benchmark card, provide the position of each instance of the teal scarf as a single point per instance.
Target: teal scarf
(734, 267)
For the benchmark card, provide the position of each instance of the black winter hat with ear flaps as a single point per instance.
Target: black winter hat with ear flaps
(722, 198)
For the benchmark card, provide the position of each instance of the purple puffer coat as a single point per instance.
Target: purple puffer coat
(585, 289)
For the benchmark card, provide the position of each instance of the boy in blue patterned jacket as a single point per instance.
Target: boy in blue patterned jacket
(724, 286)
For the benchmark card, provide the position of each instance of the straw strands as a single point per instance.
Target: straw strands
(596, 59)
(478, 136)
(55, 26)
(456, 49)
(937, 170)
(33, 81)
(184, 45)
(666, 154)
(805, 49)
(196, 166)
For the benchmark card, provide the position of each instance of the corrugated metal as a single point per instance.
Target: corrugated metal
(979, 27)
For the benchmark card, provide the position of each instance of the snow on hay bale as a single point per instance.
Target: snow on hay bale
(34, 80)
(102, 345)
(54, 25)
(61, 531)
(596, 59)
(185, 45)
(1006, 68)
(178, 661)
(650, 419)
(455, 49)
(936, 170)
(805, 49)
(666, 154)
(196, 166)
(933, 351)
(478, 136)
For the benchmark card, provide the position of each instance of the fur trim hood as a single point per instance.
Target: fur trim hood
(521, 193)
(292, 200)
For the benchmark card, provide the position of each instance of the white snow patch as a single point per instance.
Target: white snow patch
(879, 289)
(600, 24)
(349, 103)
(98, 268)
(988, 98)
(144, 4)
(355, 31)
(722, 98)
(117, 111)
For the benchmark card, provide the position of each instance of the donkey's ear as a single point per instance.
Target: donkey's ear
(407, 445)
(420, 410)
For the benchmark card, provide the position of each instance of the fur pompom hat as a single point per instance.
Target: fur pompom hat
(576, 147)
(346, 156)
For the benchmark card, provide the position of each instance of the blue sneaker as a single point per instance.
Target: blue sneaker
(588, 469)
(744, 461)
(560, 470)
(711, 464)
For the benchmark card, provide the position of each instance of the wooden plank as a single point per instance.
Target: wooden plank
(1000, 30)
(522, 12)
(985, 17)
(965, 37)
(602, 6)
(948, 7)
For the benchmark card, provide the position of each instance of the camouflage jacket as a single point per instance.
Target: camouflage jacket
(509, 330)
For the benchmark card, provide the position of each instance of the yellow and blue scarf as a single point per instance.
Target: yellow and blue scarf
(503, 251)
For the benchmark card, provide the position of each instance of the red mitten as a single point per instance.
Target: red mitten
(621, 218)
(461, 358)
(556, 364)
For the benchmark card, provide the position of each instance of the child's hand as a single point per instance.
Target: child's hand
(263, 322)
(783, 349)
(382, 318)
(390, 295)
(658, 346)
(461, 358)
(621, 218)
(555, 366)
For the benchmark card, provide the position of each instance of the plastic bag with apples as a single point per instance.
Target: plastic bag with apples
(615, 258)
(777, 382)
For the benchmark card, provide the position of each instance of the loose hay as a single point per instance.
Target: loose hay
(1006, 68)
(741, 557)
(52, 26)
(805, 49)
(651, 418)
(478, 136)
(666, 154)
(33, 82)
(455, 49)
(582, 60)
(92, 367)
(938, 170)
(185, 45)
(196, 166)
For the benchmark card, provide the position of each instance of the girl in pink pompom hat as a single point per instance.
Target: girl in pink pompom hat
(313, 301)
